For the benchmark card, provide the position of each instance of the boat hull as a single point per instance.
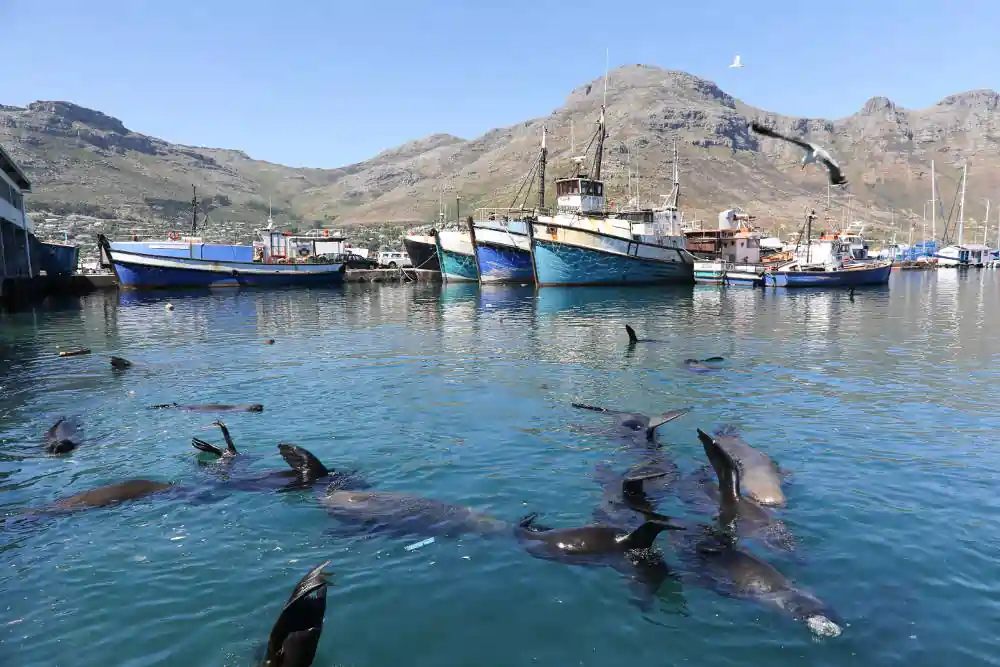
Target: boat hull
(504, 253)
(724, 273)
(455, 254)
(136, 271)
(605, 260)
(869, 275)
(423, 253)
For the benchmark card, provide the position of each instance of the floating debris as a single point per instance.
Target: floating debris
(73, 353)
(421, 543)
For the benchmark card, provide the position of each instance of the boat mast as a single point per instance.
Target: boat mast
(961, 205)
(599, 153)
(194, 210)
(986, 221)
(933, 206)
(541, 172)
(809, 228)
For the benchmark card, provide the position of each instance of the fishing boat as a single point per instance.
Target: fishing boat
(422, 250)
(500, 236)
(729, 254)
(276, 259)
(827, 262)
(582, 244)
(456, 256)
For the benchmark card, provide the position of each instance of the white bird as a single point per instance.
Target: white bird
(736, 62)
(814, 153)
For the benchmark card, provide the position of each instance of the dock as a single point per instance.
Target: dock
(20, 291)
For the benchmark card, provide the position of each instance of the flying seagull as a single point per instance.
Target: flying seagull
(736, 62)
(814, 153)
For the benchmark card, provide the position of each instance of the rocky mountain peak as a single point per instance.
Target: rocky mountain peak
(78, 114)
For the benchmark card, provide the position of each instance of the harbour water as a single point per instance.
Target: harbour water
(884, 408)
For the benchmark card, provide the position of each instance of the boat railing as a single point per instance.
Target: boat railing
(503, 214)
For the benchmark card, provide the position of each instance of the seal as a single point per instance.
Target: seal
(633, 338)
(636, 421)
(625, 502)
(208, 448)
(702, 365)
(211, 407)
(406, 514)
(760, 478)
(737, 514)
(63, 436)
(120, 363)
(305, 468)
(735, 573)
(112, 494)
(295, 635)
(630, 553)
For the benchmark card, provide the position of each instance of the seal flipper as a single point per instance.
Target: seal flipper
(303, 462)
(230, 445)
(632, 338)
(296, 633)
(205, 447)
(632, 485)
(664, 418)
(644, 536)
(728, 474)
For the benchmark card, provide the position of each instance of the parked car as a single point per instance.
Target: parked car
(354, 261)
(394, 259)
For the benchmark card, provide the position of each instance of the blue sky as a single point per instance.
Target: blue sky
(324, 84)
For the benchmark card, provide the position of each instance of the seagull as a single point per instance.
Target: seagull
(814, 153)
(736, 62)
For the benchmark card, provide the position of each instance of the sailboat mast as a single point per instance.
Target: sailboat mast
(541, 172)
(599, 153)
(961, 205)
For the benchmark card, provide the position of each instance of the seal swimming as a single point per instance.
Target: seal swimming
(628, 552)
(305, 468)
(212, 407)
(63, 436)
(735, 573)
(209, 448)
(702, 365)
(407, 514)
(633, 339)
(625, 503)
(736, 513)
(295, 635)
(120, 363)
(635, 421)
(760, 478)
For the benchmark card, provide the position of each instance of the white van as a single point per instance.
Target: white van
(393, 259)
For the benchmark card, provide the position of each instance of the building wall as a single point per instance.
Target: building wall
(13, 256)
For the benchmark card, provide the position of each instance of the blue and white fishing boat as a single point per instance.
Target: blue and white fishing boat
(827, 262)
(584, 245)
(456, 256)
(277, 259)
(190, 262)
(500, 236)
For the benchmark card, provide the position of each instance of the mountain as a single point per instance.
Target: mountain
(84, 161)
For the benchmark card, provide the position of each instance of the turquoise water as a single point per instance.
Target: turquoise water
(884, 409)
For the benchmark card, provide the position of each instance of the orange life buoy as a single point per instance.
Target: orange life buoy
(172, 236)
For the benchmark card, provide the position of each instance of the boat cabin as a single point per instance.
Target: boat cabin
(823, 254)
(277, 247)
(580, 194)
(735, 240)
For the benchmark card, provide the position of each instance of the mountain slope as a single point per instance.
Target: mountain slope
(84, 161)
